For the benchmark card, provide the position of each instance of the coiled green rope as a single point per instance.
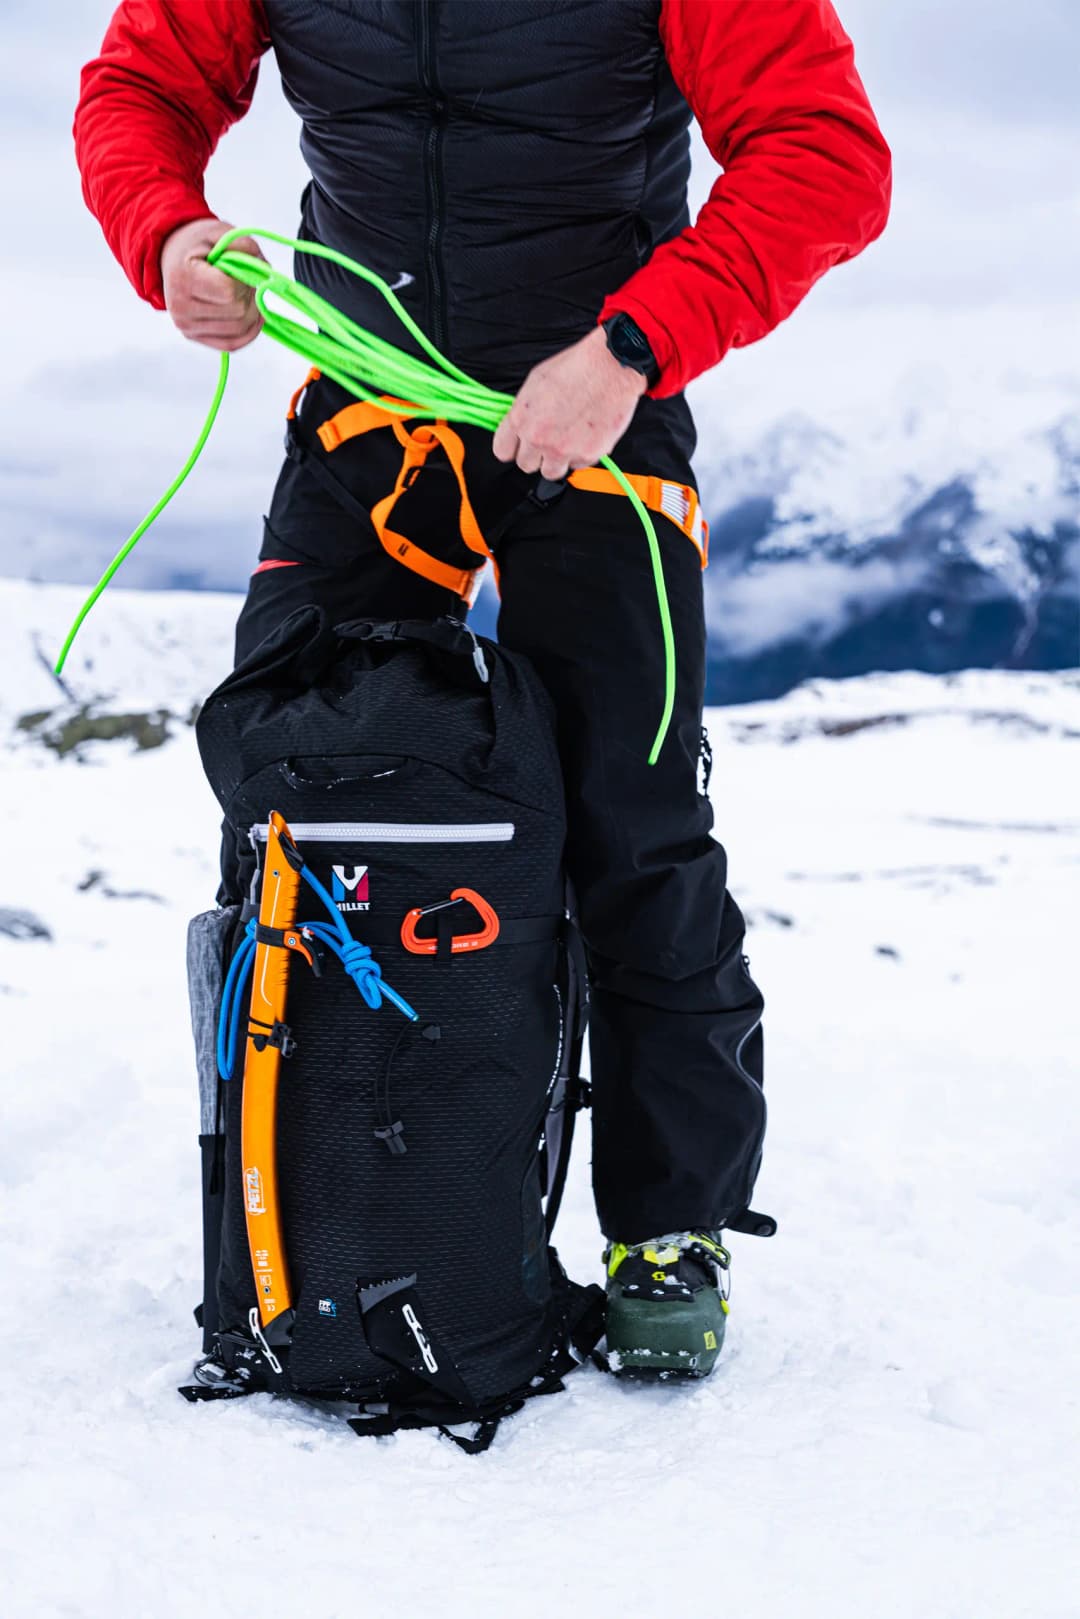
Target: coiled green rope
(367, 367)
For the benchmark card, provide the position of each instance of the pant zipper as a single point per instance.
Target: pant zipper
(433, 144)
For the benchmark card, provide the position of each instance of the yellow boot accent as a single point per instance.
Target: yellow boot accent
(616, 1254)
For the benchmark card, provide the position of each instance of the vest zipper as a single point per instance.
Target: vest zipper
(433, 144)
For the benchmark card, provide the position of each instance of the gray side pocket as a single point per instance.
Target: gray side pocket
(208, 940)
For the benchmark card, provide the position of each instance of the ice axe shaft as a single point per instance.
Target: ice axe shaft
(269, 1040)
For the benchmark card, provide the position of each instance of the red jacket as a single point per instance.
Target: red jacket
(772, 83)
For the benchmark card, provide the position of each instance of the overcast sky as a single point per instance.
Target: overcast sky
(972, 295)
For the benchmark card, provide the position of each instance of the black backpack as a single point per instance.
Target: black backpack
(419, 1160)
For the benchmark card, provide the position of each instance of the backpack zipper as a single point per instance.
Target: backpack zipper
(433, 143)
(393, 832)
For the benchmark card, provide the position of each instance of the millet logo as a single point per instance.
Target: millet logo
(350, 888)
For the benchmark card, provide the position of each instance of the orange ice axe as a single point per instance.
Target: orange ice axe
(269, 1040)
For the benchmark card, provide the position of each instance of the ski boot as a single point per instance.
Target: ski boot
(666, 1305)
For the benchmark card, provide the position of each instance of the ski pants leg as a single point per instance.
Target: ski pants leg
(675, 1030)
(675, 1036)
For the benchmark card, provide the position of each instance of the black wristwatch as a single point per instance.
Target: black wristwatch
(630, 346)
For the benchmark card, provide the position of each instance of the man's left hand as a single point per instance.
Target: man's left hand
(571, 409)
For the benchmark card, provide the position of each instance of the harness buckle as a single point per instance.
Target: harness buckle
(547, 490)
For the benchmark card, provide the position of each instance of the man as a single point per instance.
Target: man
(517, 170)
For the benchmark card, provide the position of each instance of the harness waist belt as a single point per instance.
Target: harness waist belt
(676, 501)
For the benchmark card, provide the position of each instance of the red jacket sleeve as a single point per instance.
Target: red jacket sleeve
(171, 77)
(806, 182)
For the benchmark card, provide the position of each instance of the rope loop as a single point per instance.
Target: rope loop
(369, 367)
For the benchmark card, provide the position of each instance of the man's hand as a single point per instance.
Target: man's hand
(570, 410)
(207, 305)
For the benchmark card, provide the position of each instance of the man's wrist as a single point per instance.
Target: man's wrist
(628, 343)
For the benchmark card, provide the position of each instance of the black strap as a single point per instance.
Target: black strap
(445, 634)
(530, 930)
(196, 1393)
(396, 1329)
(587, 1319)
(570, 1093)
(706, 757)
(485, 1433)
(299, 450)
(576, 979)
(280, 1035)
(380, 1421)
(393, 1419)
(523, 930)
(275, 938)
(751, 1224)
(577, 1325)
(444, 936)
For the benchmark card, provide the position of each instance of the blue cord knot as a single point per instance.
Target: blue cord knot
(365, 973)
(355, 957)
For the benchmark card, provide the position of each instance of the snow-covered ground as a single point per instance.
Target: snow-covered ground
(888, 1433)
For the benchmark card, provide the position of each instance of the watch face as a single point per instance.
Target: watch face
(633, 341)
(629, 344)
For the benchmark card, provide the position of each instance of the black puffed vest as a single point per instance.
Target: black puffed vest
(504, 164)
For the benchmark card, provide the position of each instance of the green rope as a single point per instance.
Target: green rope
(352, 357)
(154, 512)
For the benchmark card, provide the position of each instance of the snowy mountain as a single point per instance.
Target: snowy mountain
(889, 1430)
(834, 556)
(836, 549)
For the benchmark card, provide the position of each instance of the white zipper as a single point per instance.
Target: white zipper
(393, 832)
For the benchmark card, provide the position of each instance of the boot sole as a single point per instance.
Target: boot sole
(663, 1341)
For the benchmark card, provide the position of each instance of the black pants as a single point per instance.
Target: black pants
(675, 1036)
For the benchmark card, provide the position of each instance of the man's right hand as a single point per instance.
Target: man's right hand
(207, 305)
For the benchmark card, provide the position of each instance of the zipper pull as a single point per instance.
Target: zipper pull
(479, 661)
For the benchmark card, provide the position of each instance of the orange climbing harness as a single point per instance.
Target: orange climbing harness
(676, 501)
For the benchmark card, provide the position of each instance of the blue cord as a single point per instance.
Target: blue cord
(232, 1002)
(356, 958)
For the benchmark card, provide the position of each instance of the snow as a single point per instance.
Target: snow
(888, 1430)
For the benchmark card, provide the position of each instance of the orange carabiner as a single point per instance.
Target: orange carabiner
(461, 942)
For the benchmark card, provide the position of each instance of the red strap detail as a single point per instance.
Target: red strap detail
(274, 562)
